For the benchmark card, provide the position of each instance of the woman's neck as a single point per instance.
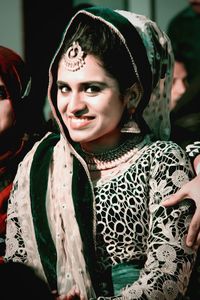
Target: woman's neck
(111, 158)
(107, 143)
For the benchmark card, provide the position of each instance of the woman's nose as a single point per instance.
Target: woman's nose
(76, 103)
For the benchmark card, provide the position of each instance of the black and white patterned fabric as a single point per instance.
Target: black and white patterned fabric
(193, 149)
(132, 225)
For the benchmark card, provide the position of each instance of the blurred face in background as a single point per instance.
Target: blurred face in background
(195, 5)
(179, 84)
(7, 115)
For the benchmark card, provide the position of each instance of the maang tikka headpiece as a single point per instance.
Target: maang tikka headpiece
(74, 57)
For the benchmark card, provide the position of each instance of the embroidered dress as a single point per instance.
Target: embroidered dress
(122, 217)
(131, 225)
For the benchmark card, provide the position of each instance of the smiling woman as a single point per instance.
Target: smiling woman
(90, 219)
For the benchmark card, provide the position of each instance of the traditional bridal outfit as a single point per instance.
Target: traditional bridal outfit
(97, 220)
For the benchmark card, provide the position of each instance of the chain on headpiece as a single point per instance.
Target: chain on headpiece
(74, 57)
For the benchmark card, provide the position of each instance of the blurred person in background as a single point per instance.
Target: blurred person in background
(184, 33)
(16, 135)
(179, 83)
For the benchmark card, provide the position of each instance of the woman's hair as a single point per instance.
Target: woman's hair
(98, 39)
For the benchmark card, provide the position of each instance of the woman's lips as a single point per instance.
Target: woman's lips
(80, 122)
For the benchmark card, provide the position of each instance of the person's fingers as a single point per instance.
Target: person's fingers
(197, 242)
(194, 231)
(69, 296)
(73, 294)
(175, 198)
(82, 297)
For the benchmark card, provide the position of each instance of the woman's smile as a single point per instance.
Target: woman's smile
(79, 122)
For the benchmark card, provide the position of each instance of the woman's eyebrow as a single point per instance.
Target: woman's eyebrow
(61, 82)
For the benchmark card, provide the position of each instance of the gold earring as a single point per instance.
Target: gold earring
(130, 126)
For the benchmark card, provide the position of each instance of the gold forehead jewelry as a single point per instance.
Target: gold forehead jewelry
(74, 57)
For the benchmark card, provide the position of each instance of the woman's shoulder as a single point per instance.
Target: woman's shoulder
(166, 145)
(159, 148)
(34, 161)
(47, 141)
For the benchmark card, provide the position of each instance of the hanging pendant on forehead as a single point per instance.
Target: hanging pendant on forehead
(74, 57)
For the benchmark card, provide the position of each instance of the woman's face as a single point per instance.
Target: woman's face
(90, 105)
(7, 115)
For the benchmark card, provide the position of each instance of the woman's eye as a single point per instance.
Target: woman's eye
(93, 89)
(63, 89)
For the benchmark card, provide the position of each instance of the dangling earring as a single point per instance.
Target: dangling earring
(131, 126)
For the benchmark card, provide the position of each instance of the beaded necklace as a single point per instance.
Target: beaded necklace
(112, 158)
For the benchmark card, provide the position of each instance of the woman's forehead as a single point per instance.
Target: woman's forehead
(91, 70)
